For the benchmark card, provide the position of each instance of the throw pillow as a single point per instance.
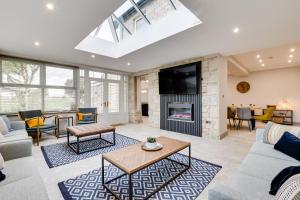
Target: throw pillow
(266, 132)
(37, 121)
(88, 117)
(289, 145)
(2, 176)
(277, 130)
(290, 189)
(281, 178)
(80, 115)
(7, 122)
(3, 127)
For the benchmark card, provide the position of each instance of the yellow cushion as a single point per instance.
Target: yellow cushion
(35, 122)
(80, 115)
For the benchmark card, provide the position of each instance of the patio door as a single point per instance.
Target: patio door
(107, 96)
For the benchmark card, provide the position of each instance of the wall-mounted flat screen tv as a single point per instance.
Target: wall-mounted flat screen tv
(182, 79)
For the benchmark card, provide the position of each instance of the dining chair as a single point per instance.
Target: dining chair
(231, 112)
(244, 114)
(265, 117)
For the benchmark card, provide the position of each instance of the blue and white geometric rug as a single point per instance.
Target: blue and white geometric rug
(185, 187)
(60, 154)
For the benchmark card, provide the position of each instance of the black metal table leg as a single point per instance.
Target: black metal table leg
(103, 181)
(68, 135)
(77, 145)
(114, 137)
(130, 186)
(189, 155)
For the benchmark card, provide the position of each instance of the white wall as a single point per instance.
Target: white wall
(268, 87)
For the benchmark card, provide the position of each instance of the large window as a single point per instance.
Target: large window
(20, 73)
(14, 99)
(28, 85)
(59, 76)
(60, 99)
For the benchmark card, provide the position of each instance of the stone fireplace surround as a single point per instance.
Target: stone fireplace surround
(214, 86)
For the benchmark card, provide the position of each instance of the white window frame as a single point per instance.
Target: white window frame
(42, 84)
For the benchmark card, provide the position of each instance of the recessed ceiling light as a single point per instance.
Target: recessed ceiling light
(290, 56)
(128, 64)
(263, 65)
(93, 56)
(290, 61)
(260, 61)
(257, 56)
(292, 50)
(37, 43)
(236, 30)
(50, 6)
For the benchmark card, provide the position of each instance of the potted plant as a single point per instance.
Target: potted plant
(151, 142)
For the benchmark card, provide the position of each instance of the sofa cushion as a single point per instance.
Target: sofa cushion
(17, 169)
(290, 189)
(282, 177)
(289, 144)
(7, 122)
(269, 151)
(255, 187)
(3, 127)
(264, 167)
(21, 132)
(29, 188)
(277, 130)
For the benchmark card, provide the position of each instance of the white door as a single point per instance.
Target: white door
(108, 97)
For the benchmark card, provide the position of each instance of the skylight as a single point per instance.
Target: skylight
(136, 24)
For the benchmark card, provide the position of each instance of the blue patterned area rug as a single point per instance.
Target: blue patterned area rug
(185, 187)
(60, 154)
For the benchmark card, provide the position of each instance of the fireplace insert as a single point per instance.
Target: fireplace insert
(181, 111)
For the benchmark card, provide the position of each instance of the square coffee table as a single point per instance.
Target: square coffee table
(133, 158)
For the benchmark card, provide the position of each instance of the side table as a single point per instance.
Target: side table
(58, 118)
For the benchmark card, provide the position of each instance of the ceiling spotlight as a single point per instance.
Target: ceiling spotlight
(260, 61)
(93, 56)
(290, 56)
(236, 30)
(257, 56)
(128, 64)
(292, 50)
(290, 61)
(263, 65)
(50, 6)
(36, 43)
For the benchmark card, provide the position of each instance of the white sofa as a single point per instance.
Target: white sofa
(254, 177)
(22, 177)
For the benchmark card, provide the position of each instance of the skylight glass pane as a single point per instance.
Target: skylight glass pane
(156, 9)
(105, 32)
(127, 14)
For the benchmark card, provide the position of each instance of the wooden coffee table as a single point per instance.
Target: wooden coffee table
(86, 130)
(133, 158)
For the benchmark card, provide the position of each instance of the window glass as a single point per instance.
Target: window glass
(97, 98)
(113, 97)
(59, 99)
(14, 99)
(20, 72)
(93, 74)
(56, 76)
(114, 77)
(81, 92)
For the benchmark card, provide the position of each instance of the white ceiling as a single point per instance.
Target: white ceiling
(263, 24)
(272, 58)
